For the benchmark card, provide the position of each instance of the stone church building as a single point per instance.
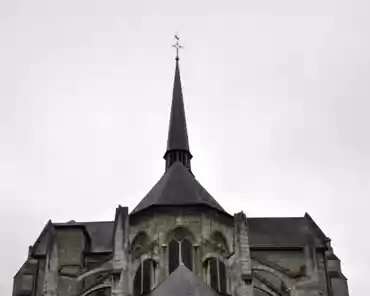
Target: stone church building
(179, 241)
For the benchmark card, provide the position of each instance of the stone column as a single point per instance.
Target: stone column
(164, 262)
(51, 269)
(244, 285)
(120, 278)
(309, 262)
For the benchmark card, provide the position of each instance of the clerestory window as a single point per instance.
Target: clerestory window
(144, 277)
(215, 272)
(180, 249)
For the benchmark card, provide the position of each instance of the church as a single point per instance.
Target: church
(180, 241)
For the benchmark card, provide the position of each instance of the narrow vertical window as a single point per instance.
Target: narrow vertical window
(213, 274)
(180, 249)
(147, 276)
(222, 277)
(137, 282)
(143, 277)
(174, 255)
(215, 271)
(187, 253)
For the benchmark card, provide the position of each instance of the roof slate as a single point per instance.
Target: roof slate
(183, 282)
(100, 233)
(177, 187)
(177, 132)
(281, 232)
(263, 233)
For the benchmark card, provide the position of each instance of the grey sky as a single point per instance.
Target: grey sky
(276, 94)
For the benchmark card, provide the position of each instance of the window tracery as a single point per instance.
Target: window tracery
(180, 249)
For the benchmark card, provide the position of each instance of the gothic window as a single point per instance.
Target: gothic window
(187, 253)
(144, 277)
(215, 272)
(173, 250)
(180, 249)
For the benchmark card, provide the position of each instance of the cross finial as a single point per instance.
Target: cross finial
(177, 46)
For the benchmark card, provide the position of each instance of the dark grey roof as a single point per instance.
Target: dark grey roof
(182, 282)
(177, 133)
(100, 234)
(263, 232)
(282, 232)
(177, 187)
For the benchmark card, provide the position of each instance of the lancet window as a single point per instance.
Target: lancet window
(215, 271)
(180, 249)
(144, 277)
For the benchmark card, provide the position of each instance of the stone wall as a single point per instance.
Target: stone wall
(200, 224)
(292, 268)
(300, 271)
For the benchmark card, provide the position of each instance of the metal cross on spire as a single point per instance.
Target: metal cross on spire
(177, 46)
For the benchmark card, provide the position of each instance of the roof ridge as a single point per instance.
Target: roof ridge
(84, 222)
(291, 217)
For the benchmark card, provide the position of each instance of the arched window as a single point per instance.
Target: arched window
(215, 271)
(180, 249)
(144, 277)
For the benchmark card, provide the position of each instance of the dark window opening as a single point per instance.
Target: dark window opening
(180, 250)
(187, 253)
(222, 277)
(213, 274)
(215, 271)
(144, 277)
(173, 249)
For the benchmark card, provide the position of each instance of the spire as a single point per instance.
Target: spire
(177, 143)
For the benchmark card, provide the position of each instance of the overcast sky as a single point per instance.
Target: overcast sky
(277, 101)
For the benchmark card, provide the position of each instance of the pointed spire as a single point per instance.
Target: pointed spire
(177, 133)
(177, 143)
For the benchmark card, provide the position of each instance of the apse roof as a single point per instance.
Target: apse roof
(177, 187)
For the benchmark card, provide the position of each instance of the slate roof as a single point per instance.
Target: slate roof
(177, 132)
(100, 234)
(282, 232)
(182, 282)
(177, 187)
(263, 233)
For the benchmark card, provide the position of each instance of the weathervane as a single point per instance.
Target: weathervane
(177, 46)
